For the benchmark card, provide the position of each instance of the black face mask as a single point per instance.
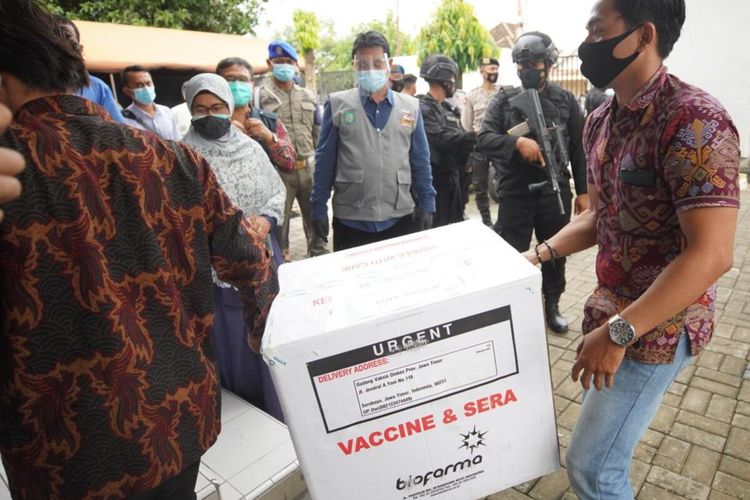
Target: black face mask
(492, 77)
(211, 127)
(532, 78)
(397, 85)
(598, 63)
(450, 89)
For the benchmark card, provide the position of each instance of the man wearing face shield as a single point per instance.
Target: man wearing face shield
(450, 144)
(519, 163)
(373, 154)
(471, 119)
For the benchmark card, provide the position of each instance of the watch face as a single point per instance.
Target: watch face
(621, 332)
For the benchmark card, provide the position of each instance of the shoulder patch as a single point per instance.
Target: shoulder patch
(348, 117)
(408, 119)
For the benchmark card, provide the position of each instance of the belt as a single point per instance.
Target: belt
(300, 164)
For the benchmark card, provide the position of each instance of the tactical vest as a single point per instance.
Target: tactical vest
(555, 108)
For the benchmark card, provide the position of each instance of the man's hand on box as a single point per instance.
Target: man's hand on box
(530, 255)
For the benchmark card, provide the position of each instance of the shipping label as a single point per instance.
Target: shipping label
(413, 369)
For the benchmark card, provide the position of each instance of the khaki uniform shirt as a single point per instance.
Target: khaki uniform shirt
(297, 108)
(476, 103)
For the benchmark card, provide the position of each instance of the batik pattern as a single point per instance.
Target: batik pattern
(672, 148)
(108, 384)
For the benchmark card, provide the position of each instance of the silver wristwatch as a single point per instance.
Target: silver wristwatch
(621, 332)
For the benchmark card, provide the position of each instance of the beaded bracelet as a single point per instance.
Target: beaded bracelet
(552, 252)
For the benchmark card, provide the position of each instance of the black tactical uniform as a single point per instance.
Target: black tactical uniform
(450, 144)
(520, 210)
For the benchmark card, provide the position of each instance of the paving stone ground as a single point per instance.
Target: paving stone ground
(698, 446)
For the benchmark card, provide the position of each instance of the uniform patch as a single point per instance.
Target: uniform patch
(348, 117)
(408, 119)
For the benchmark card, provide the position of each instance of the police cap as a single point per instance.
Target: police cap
(280, 48)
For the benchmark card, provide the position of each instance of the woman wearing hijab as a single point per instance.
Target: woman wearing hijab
(246, 174)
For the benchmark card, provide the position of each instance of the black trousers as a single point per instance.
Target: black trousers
(180, 487)
(464, 175)
(518, 216)
(480, 179)
(346, 237)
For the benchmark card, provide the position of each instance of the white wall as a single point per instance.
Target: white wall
(713, 54)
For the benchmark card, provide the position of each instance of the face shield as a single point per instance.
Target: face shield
(372, 72)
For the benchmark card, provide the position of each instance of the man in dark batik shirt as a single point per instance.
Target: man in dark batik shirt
(108, 384)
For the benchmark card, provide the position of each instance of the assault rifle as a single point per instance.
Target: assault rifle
(528, 104)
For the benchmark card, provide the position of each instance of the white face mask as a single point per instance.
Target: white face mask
(372, 80)
(372, 72)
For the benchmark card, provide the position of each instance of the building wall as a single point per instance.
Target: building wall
(712, 54)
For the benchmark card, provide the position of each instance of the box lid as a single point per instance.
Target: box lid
(346, 288)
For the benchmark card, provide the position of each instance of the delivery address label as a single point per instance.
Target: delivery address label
(426, 379)
(416, 368)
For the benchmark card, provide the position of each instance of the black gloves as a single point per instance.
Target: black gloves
(320, 226)
(422, 219)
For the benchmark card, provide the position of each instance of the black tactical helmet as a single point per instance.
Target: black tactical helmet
(438, 68)
(534, 46)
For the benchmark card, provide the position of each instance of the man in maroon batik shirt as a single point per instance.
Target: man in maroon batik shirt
(108, 383)
(663, 161)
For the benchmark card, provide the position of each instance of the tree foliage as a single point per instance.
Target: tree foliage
(389, 29)
(456, 32)
(335, 53)
(307, 38)
(218, 16)
(306, 30)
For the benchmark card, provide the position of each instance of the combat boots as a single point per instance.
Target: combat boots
(555, 321)
(486, 219)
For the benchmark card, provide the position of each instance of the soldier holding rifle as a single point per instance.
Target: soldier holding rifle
(530, 134)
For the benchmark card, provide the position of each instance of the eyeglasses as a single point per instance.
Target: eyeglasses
(234, 78)
(214, 109)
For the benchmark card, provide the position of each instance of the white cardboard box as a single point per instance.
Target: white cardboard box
(415, 368)
(252, 458)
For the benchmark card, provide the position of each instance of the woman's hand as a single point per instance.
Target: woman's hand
(260, 225)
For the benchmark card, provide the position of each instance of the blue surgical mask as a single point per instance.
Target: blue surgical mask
(372, 80)
(145, 95)
(283, 72)
(242, 92)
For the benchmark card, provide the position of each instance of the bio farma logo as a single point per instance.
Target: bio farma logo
(471, 441)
